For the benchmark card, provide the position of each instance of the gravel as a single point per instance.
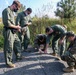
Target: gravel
(34, 63)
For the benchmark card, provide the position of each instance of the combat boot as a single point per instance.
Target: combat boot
(68, 69)
(54, 54)
(20, 58)
(11, 65)
(58, 58)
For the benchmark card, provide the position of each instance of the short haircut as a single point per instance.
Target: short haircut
(29, 9)
(41, 37)
(17, 3)
(47, 29)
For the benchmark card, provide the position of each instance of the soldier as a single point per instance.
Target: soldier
(40, 42)
(23, 19)
(70, 55)
(58, 33)
(11, 40)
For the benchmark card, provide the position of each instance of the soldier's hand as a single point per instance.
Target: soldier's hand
(40, 51)
(61, 41)
(29, 23)
(19, 30)
(18, 27)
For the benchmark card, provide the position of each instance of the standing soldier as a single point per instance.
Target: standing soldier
(70, 55)
(40, 43)
(58, 33)
(11, 40)
(23, 19)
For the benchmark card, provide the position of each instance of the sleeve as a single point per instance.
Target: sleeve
(72, 50)
(62, 35)
(61, 29)
(36, 40)
(6, 18)
(48, 38)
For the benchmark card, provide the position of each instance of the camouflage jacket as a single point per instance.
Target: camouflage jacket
(36, 41)
(72, 47)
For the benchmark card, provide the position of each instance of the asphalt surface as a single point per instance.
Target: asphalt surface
(35, 63)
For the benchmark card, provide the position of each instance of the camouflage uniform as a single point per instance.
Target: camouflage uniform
(11, 40)
(59, 33)
(37, 41)
(70, 55)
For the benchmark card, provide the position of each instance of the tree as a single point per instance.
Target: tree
(66, 9)
(44, 11)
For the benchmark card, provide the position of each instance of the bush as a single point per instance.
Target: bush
(38, 27)
(1, 41)
(1, 37)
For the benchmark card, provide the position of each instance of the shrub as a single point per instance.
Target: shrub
(1, 41)
(38, 27)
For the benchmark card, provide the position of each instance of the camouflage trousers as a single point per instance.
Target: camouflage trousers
(69, 58)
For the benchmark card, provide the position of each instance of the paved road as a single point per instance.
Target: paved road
(34, 64)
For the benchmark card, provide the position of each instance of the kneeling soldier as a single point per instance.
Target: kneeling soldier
(40, 42)
(70, 55)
